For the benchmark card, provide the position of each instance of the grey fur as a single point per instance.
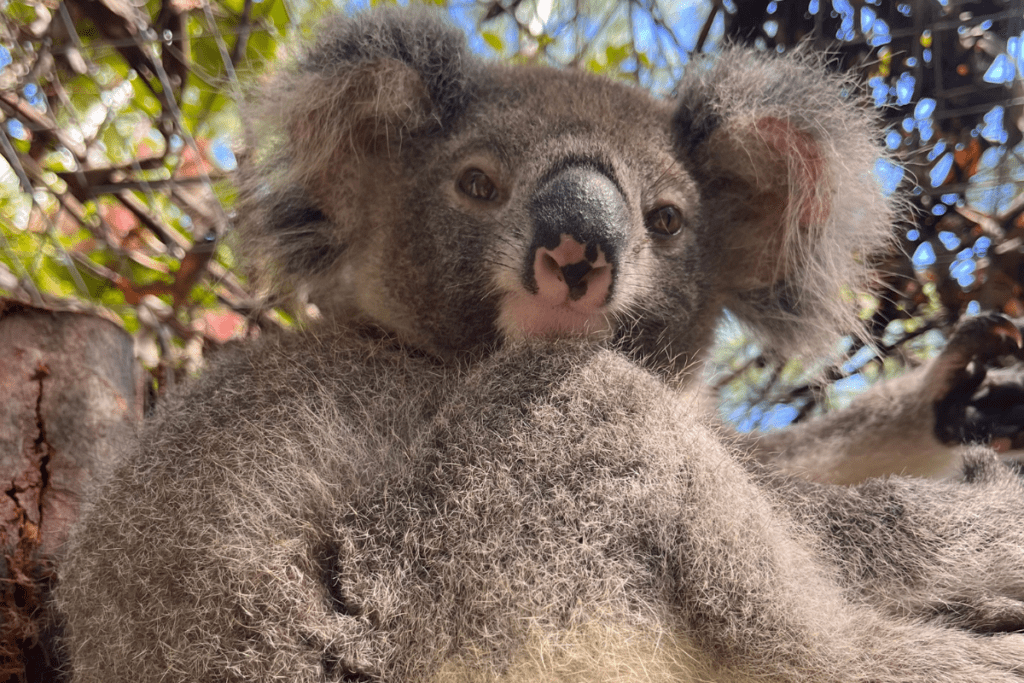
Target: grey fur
(909, 426)
(415, 489)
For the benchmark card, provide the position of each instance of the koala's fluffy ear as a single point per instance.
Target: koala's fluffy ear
(368, 82)
(785, 157)
(316, 129)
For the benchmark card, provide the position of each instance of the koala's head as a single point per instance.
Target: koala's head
(453, 202)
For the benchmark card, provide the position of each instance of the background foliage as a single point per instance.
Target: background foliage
(120, 120)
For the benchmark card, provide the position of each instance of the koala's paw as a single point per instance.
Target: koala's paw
(982, 337)
(965, 410)
(996, 410)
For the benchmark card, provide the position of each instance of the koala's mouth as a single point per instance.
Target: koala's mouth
(530, 315)
(564, 292)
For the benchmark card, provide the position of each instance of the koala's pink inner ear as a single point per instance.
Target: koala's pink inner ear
(806, 169)
(769, 188)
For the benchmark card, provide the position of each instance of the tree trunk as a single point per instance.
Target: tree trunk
(70, 393)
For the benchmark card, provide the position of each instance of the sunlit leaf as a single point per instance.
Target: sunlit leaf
(616, 55)
(494, 41)
(144, 99)
(261, 47)
(21, 12)
(278, 14)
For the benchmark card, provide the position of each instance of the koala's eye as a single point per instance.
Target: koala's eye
(665, 221)
(475, 183)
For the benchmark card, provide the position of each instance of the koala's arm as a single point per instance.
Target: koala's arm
(947, 551)
(782, 136)
(908, 425)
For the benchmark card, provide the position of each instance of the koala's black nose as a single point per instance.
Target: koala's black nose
(580, 227)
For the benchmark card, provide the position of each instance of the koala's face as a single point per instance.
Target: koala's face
(457, 203)
(556, 206)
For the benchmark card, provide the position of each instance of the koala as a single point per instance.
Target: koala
(488, 461)
(913, 426)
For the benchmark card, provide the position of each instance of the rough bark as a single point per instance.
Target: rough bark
(70, 392)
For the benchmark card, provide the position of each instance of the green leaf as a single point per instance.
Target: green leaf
(616, 55)
(278, 14)
(130, 320)
(144, 99)
(111, 297)
(205, 52)
(117, 150)
(20, 12)
(204, 297)
(54, 278)
(494, 41)
(82, 92)
(21, 246)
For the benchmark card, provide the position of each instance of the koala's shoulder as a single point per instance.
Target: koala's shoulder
(304, 384)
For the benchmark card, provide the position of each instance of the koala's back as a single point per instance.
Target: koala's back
(516, 530)
(549, 513)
